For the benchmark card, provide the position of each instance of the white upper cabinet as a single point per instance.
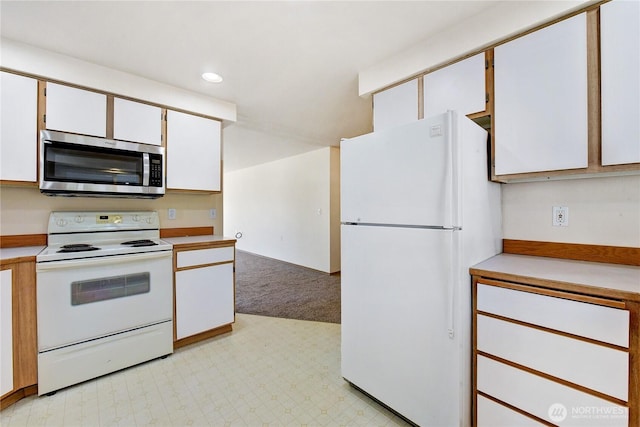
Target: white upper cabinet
(540, 121)
(18, 127)
(460, 87)
(395, 106)
(620, 81)
(75, 110)
(137, 122)
(193, 152)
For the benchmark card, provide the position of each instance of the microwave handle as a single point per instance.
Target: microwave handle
(146, 168)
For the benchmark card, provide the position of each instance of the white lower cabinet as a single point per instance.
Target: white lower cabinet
(543, 398)
(492, 414)
(554, 357)
(205, 290)
(6, 332)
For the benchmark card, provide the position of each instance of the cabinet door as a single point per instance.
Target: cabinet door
(540, 106)
(75, 110)
(620, 68)
(6, 333)
(395, 106)
(18, 128)
(193, 152)
(460, 87)
(204, 299)
(137, 122)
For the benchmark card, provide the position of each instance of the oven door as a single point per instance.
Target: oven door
(80, 300)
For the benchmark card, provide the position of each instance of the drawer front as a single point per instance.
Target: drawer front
(597, 322)
(590, 365)
(492, 414)
(548, 400)
(204, 256)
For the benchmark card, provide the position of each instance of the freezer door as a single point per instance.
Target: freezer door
(402, 175)
(398, 285)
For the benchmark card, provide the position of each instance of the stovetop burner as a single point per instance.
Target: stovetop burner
(88, 235)
(140, 243)
(77, 247)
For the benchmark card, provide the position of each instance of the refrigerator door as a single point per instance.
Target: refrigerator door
(397, 294)
(403, 175)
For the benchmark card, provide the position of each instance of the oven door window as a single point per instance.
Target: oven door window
(94, 290)
(71, 163)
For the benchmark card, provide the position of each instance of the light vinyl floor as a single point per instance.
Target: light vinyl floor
(267, 372)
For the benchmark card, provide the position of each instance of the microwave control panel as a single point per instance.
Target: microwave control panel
(155, 173)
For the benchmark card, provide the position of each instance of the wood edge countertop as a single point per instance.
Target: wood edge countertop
(202, 241)
(19, 254)
(585, 277)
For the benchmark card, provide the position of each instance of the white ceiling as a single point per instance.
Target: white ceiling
(291, 67)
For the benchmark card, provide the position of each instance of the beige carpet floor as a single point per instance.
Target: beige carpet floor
(269, 287)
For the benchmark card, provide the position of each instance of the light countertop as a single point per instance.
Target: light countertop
(592, 278)
(21, 254)
(209, 239)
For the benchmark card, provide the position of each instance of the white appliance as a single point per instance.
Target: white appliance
(417, 211)
(104, 296)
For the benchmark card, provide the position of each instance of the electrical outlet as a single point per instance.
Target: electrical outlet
(560, 216)
(213, 213)
(171, 213)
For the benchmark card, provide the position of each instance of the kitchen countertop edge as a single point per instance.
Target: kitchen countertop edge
(202, 240)
(19, 254)
(589, 278)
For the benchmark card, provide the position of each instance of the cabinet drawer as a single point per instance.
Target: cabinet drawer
(204, 256)
(544, 398)
(590, 365)
(597, 322)
(492, 414)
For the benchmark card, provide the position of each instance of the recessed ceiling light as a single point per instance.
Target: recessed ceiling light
(212, 77)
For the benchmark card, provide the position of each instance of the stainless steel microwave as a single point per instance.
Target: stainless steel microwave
(79, 165)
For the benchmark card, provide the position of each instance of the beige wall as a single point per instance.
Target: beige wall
(602, 211)
(285, 209)
(26, 210)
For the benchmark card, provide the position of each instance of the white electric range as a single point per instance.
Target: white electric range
(104, 295)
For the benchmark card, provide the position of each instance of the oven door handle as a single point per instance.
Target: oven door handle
(107, 260)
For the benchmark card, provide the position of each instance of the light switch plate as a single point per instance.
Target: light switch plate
(171, 213)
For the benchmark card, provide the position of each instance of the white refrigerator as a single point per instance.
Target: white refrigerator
(417, 210)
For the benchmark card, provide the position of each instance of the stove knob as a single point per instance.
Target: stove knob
(149, 220)
(136, 218)
(79, 218)
(61, 222)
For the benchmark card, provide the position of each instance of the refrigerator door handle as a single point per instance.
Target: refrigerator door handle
(453, 280)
